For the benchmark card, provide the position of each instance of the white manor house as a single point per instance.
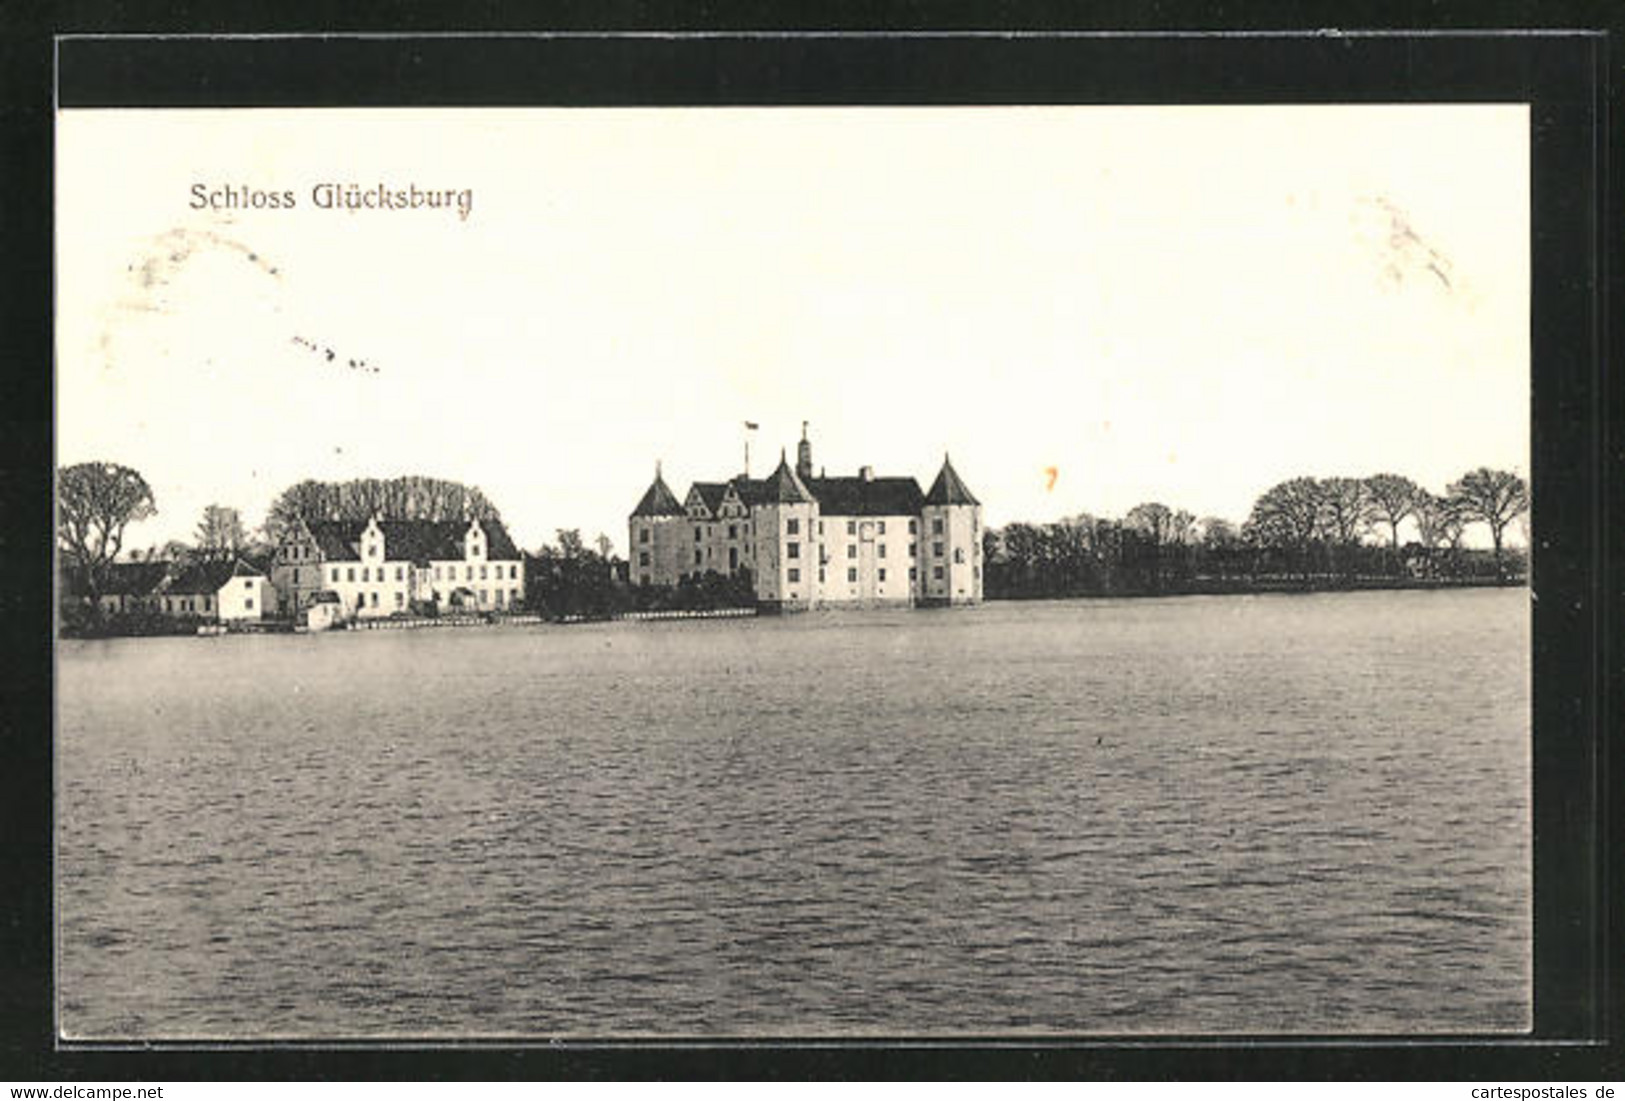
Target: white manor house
(384, 567)
(811, 542)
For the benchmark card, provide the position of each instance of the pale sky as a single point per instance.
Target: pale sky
(1176, 304)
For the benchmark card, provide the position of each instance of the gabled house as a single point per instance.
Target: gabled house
(383, 567)
(223, 590)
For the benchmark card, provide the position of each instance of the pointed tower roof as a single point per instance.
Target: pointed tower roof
(658, 500)
(949, 488)
(785, 488)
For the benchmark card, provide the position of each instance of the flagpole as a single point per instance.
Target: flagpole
(750, 426)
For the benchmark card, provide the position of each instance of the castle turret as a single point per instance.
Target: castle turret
(652, 535)
(950, 547)
(786, 533)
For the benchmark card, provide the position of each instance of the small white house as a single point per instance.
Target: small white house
(224, 591)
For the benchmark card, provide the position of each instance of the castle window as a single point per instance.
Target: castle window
(296, 575)
(643, 558)
(882, 575)
(936, 550)
(882, 526)
(366, 574)
(400, 573)
(936, 572)
(851, 575)
(697, 556)
(482, 573)
(851, 550)
(792, 526)
(351, 573)
(513, 572)
(698, 533)
(959, 555)
(643, 535)
(976, 572)
(793, 550)
(936, 526)
(913, 574)
(795, 575)
(913, 527)
(851, 527)
(733, 531)
(820, 573)
(882, 550)
(912, 549)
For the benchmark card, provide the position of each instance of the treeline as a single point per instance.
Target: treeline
(566, 579)
(413, 497)
(1301, 533)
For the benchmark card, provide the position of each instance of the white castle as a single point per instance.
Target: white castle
(811, 542)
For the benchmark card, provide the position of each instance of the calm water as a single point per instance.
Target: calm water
(1274, 814)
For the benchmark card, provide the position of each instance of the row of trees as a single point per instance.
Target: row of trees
(413, 497)
(1309, 531)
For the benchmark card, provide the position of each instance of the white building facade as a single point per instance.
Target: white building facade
(814, 541)
(396, 567)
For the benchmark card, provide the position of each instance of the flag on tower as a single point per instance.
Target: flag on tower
(751, 426)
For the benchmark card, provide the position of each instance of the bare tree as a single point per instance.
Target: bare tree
(1392, 498)
(220, 532)
(95, 503)
(1290, 515)
(1496, 497)
(1348, 515)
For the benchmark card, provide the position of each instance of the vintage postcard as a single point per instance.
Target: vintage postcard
(844, 572)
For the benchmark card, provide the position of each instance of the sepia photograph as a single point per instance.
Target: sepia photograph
(1021, 571)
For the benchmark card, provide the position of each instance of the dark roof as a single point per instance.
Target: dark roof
(949, 489)
(711, 494)
(410, 540)
(340, 539)
(785, 487)
(498, 544)
(752, 491)
(658, 500)
(209, 577)
(134, 578)
(867, 497)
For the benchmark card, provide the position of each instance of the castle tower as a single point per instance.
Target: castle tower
(950, 543)
(653, 536)
(804, 469)
(785, 523)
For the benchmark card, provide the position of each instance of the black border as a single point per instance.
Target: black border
(1565, 76)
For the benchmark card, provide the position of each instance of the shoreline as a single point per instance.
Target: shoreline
(531, 619)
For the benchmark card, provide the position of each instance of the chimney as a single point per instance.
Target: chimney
(867, 473)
